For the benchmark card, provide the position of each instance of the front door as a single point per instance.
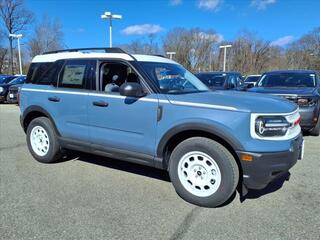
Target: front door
(118, 122)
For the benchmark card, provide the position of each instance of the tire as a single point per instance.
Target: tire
(44, 146)
(316, 130)
(209, 182)
(8, 99)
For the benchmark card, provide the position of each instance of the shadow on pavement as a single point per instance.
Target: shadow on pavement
(120, 165)
(164, 176)
(270, 188)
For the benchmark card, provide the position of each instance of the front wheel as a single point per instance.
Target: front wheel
(203, 172)
(42, 140)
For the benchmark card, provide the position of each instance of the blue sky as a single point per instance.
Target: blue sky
(280, 21)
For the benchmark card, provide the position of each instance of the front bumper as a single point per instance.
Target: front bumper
(265, 167)
(309, 117)
(13, 97)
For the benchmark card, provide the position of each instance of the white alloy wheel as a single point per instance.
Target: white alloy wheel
(39, 140)
(199, 174)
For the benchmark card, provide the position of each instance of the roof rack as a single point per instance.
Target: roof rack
(106, 50)
(158, 55)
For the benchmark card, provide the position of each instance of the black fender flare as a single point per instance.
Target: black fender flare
(225, 136)
(34, 108)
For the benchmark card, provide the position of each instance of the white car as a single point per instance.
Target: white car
(252, 79)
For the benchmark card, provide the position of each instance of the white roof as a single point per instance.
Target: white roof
(253, 75)
(52, 57)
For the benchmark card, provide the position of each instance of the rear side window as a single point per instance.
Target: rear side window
(44, 73)
(36, 70)
(78, 74)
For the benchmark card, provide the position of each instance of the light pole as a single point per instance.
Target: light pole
(110, 16)
(225, 55)
(18, 36)
(171, 54)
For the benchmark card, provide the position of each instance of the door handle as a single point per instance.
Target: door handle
(54, 99)
(100, 104)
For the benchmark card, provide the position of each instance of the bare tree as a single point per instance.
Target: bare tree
(142, 46)
(305, 52)
(3, 54)
(193, 47)
(47, 36)
(15, 18)
(249, 54)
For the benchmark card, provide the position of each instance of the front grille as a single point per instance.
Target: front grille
(301, 101)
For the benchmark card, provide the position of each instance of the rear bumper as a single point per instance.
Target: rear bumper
(21, 121)
(265, 167)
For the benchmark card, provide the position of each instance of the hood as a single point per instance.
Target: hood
(5, 85)
(217, 88)
(283, 91)
(236, 101)
(15, 86)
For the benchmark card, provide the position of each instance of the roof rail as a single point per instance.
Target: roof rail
(106, 50)
(158, 55)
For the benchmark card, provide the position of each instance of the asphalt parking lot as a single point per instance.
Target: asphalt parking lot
(91, 197)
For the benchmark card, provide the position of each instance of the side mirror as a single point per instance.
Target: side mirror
(132, 90)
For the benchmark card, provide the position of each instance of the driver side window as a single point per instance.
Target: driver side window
(113, 75)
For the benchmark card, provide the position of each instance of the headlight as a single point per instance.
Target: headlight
(1, 89)
(306, 102)
(271, 126)
(275, 126)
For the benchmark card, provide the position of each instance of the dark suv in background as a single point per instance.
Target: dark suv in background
(15, 86)
(4, 86)
(221, 80)
(299, 86)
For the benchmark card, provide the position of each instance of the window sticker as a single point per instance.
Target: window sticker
(73, 74)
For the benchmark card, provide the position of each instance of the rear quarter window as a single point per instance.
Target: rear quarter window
(45, 73)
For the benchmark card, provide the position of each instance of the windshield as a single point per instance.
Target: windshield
(252, 79)
(213, 80)
(6, 79)
(173, 78)
(288, 80)
(18, 80)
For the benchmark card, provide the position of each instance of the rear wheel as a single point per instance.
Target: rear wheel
(42, 140)
(203, 172)
(316, 130)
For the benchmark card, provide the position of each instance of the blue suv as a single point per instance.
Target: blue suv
(152, 111)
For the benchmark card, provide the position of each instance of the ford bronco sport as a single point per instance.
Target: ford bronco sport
(150, 110)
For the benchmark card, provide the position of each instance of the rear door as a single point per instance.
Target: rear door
(69, 98)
